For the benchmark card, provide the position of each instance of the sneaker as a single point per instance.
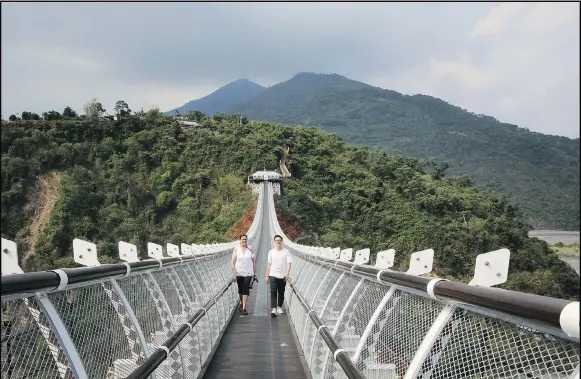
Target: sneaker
(241, 308)
(273, 313)
(279, 311)
(244, 312)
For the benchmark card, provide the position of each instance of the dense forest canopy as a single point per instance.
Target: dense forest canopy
(146, 178)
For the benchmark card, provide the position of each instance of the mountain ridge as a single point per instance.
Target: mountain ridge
(222, 99)
(539, 172)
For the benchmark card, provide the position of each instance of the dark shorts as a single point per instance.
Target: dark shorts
(243, 284)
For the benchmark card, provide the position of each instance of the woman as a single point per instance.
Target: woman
(243, 269)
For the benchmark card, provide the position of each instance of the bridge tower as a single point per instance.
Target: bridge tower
(258, 177)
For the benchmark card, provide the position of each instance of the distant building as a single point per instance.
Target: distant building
(274, 177)
(111, 117)
(189, 123)
(261, 176)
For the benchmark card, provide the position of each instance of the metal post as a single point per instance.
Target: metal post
(62, 335)
(200, 264)
(325, 308)
(336, 327)
(197, 304)
(290, 297)
(299, 285)
(315, 297)
(371, 323)
(431, 337)
(303, 325)
(131, 316)
(219, 307)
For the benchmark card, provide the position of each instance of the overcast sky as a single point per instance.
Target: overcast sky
(518, 62)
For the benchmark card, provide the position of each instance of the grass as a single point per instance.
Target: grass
(571, 250)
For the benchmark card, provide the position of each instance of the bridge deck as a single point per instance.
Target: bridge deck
(257, 345)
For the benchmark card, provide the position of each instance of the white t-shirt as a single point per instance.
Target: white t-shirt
(278, 261)
(244, 266)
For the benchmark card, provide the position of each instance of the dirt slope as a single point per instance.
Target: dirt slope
(40, 205)
(243, 224)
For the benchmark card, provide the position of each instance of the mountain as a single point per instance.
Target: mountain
(539, 173)
(223, 99)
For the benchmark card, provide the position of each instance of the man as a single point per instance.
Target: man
(277, 273)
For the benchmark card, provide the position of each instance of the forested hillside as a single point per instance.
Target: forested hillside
(539, 173)
(147, 178)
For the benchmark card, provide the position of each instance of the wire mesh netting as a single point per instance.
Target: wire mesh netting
(114, 325)
(29, 346)
(384, 329)
(91, 318)
(397, 334)
(387, 331)
(476, 346)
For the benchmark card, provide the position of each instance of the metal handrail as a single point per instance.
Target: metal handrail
(23, 285)
(548, 311)
(338, 353)
(162, 352)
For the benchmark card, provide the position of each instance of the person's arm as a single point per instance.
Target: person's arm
(288, 267)
(253, 255)
(289, 261)
(268, 268)
(234, 264)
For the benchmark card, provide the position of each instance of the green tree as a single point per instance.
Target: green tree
(150, 179)
(122, 109)
(69, 113)
(197, 116)
(51, 115)
(93, 108)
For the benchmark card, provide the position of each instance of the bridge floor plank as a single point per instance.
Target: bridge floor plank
(258, 347)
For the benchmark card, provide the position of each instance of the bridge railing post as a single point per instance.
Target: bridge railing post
(323, 311)
(303, 320)
(312, 302)
(353, 298)
(49, 323)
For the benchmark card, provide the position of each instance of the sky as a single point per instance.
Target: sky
(517, 62)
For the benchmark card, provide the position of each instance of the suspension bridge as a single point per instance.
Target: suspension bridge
(176, 316)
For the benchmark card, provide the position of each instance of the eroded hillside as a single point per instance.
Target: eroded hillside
(289, 227)
(41, 201)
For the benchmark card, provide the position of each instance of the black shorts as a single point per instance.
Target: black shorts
(243, 284)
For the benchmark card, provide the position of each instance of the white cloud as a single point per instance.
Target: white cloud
(497, 19)
(519, 63)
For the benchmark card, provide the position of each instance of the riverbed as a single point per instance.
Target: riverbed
(566, 237)
(554, 236)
